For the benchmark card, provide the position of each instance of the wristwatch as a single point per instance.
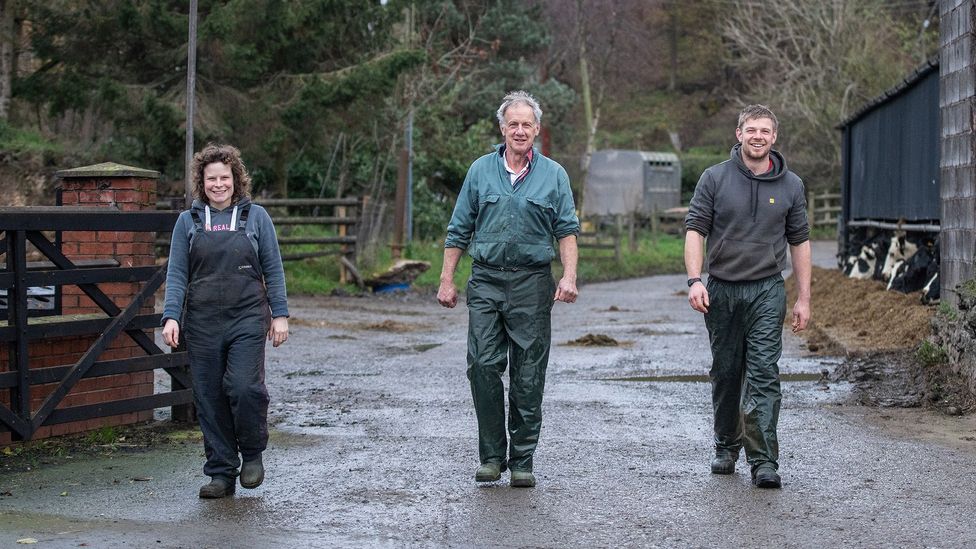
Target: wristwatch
(691, 281)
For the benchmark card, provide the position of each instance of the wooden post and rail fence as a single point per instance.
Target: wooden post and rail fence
(607, 233)
(346, 216)
(823, 209)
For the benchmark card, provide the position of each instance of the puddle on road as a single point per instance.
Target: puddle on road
(418, 348)
(426, 347)
(704, 378)
(650, 332)
(304, 373)
(318, 373)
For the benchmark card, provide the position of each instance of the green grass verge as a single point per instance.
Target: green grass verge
(662, 254)
(20, 140)
(823, 233)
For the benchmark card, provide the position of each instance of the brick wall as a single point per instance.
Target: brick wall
(957, 75)
(126, 190)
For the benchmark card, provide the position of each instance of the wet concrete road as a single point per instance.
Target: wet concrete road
(374, 444)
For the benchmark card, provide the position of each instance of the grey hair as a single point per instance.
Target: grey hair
(753, 112)
(516, 97)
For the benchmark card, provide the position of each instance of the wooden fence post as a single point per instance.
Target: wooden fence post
(343, 249)
(617, 236)
(632, 232)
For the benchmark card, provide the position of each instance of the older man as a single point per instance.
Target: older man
(749, 207)
(514, 203)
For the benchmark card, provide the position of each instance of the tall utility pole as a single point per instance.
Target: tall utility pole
(409, 139)
(8, 47)
(587, 103)
(191, 80)
(403, 214)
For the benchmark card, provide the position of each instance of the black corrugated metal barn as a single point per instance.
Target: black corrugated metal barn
(890, 158)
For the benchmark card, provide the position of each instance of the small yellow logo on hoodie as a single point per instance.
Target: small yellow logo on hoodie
(772, 200)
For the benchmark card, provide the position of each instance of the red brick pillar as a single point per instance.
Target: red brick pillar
(125, 188)
(113, 186)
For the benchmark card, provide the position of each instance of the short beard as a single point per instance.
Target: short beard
(752, 154)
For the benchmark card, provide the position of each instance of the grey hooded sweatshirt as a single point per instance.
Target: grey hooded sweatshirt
(260, 231)
(748, 219)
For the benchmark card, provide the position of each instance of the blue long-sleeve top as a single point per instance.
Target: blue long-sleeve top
(260, 231)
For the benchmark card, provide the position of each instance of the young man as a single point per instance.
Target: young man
(749, 208)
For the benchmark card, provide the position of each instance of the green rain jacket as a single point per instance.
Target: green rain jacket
(510, 227)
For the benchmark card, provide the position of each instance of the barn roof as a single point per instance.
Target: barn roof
(918, 74)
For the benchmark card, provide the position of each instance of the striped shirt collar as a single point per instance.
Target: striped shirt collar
(517, 177)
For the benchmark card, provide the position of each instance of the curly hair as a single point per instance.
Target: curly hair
(225, 154)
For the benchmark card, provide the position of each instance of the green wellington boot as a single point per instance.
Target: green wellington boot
(522, 479)
(488, 472)
(724, 462)
(765, 476)
(218, 488)
(252, 473)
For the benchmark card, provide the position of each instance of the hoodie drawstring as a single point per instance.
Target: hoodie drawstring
(755, 198)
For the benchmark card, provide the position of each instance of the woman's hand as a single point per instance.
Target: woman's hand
(278, 333)
(171, 333)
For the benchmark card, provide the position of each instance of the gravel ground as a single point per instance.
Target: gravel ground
(374, 444)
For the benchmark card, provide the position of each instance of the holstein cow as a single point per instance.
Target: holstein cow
(931, 292)
(865, 264)
(920, 272)
(899, 249)
(912, 275)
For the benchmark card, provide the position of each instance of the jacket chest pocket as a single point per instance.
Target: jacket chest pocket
(540, 216)
(491, 215)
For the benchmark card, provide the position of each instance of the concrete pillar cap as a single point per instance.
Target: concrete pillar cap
(107, 169)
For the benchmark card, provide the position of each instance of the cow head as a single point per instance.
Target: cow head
(899, 249)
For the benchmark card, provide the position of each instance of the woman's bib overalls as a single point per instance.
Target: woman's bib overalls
(227, 321)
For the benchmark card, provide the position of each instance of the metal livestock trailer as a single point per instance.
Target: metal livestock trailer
(621, 182)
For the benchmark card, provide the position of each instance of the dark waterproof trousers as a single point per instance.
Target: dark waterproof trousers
(509, 323)
(226, 323)
(745, 328)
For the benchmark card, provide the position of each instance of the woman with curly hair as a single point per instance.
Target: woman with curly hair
(225, 293)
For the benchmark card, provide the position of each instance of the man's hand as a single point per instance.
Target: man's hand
(171, 333)
(566, 291)
(698, 297)
(447, 295)
(801, 315)
(801, 257)
(278, 333)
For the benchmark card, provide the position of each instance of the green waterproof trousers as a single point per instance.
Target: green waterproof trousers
(745, 329)
(509, 323)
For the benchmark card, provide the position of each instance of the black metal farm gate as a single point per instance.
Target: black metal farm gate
(19, 226)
